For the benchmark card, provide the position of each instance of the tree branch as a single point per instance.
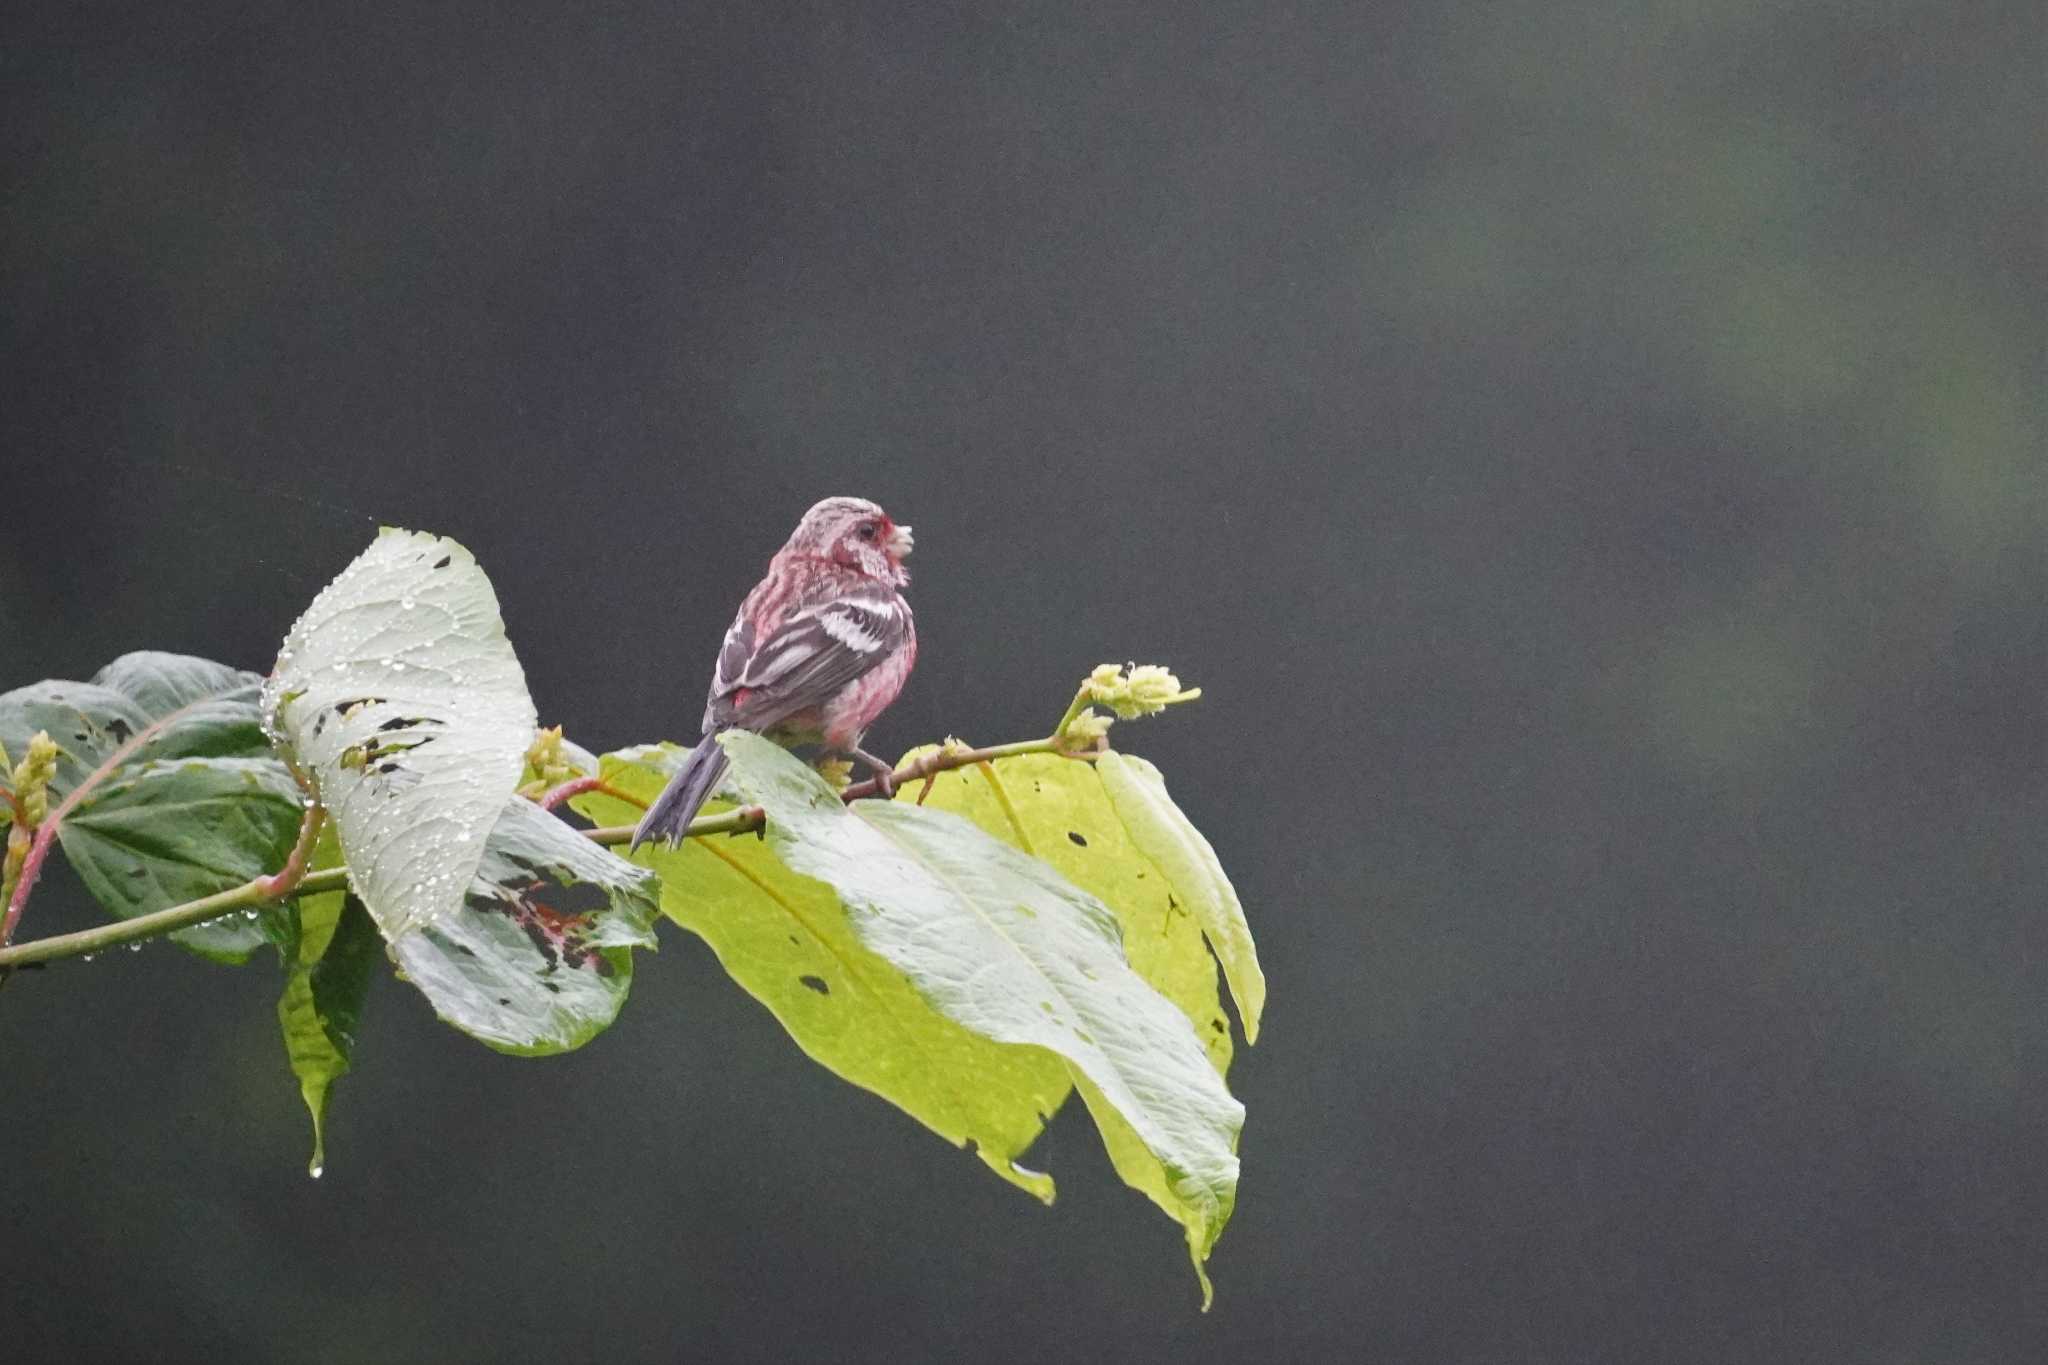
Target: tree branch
(295, 880)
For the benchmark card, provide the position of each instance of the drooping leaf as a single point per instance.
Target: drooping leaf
(1055, 809)
(398, 691)
(538, 958)
(1002, 944)
(161, 833)
(197, 805)
(785, 939)
(338, 952)
(1170, 840)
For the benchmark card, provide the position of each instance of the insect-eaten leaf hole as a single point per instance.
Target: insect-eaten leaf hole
(816, 983)
(1075, 835)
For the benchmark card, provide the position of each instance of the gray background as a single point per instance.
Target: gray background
(1591, 455)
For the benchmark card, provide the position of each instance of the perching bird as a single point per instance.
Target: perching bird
(820, 648)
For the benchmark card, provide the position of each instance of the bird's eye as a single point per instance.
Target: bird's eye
(867, 530)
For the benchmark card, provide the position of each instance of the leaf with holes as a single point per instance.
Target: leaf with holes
(785, 939)
(1170, 840)
(1055, 809)
(538, 958)
(1003, 945)
(182, 795)
(399, 693)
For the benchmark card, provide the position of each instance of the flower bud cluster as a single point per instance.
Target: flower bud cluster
(32, 776)
(30, 780)
(548, 763)
(1146, 690)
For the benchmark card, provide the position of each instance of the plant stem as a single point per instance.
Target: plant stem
(1074, 708)
(99, 938)
(294, 880)
(945, 760)
(579, 785)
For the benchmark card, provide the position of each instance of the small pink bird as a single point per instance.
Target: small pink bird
(820, 648)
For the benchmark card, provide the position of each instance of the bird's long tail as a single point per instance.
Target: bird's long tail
(687, 791)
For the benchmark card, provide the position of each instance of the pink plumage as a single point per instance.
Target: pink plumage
(819, 649)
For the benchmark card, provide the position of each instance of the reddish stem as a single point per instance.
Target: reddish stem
(577, 786)
(286, 879)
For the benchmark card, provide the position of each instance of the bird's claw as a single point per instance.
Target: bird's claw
(885, 775)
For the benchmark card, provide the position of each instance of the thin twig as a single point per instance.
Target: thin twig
(286, 879)
(579, 785)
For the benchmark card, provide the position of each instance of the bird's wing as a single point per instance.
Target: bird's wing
(806, 660)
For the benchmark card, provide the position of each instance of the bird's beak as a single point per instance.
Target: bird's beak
(900, 542)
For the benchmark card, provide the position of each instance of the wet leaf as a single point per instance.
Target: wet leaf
(161, 833)
(1003, 945)
(785, 939)
(538, 958)
(399, 693)
(155, 830)
(1056, 810)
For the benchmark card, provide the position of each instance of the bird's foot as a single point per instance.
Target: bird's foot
(885, 774)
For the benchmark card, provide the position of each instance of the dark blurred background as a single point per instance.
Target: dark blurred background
(1590, 454)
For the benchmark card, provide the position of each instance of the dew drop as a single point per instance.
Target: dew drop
(315, 1169)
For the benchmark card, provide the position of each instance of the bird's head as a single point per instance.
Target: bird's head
(856, 533)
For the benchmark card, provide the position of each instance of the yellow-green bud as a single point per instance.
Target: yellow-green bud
(32, 777)
(548, 764)
(1086, 730)
(1148, 690)
(1153, 689)
(837, 772)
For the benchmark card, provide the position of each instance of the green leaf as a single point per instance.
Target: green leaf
(399, 693)
(1058, 810)
(785, 939)
(201, 709)
(1003, 945)
(1055, 809)
(1170, 840)
(538, 959)
(338, 952)
(196, 806)
(161, 833)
